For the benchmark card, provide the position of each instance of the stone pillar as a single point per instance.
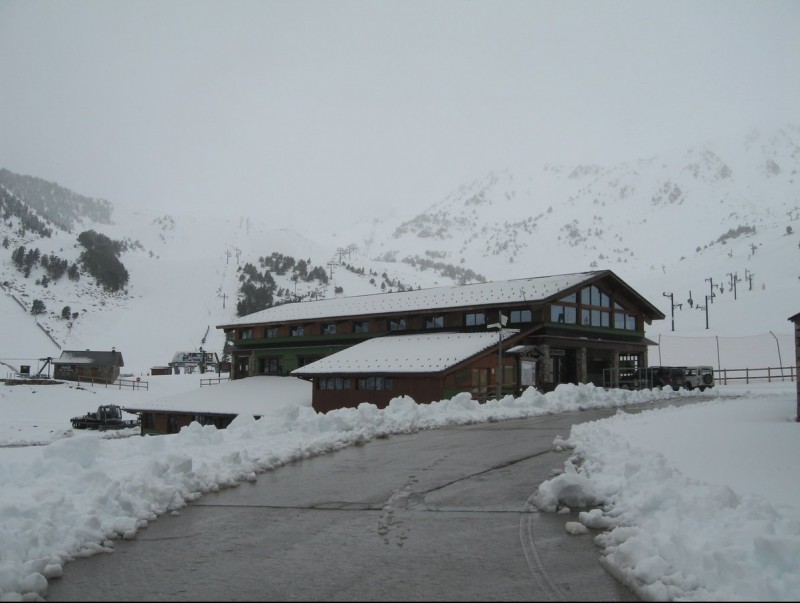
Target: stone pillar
(580, 358)
(614, 380)
(544, 367)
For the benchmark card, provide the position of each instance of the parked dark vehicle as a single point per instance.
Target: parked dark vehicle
(652, 376)
(106, 417)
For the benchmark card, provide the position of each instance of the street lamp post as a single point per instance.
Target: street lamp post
(499, 326)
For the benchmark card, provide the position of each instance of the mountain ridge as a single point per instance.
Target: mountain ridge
(664, 224)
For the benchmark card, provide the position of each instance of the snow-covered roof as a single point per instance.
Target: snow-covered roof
(424, 353)
(112, 358)
(255, 396)
(456, 296)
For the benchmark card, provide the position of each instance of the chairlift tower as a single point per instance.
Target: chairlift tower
(671, 297)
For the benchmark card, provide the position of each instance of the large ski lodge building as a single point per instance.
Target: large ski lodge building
(488, 339)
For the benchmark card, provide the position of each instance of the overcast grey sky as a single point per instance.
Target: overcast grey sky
(338, 104)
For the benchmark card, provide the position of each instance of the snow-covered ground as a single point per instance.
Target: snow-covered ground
(695, 502)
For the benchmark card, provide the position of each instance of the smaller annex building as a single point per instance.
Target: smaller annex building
(539, 331)
(88, 365)
(427, 367)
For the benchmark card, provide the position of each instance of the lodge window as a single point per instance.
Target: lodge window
(595, 318)
(271, 331)
(593, 296)
(566, 310)
(397, 324)
(600, 314)
(475, 319)
(361, 326)
(376, 383)
(623, 320)
(329, 328)
(473, 377)
(434, 322)
(517, 316)
(297, 331)
(246, 334)
(334, 383)
(564, 314)
(271, 366)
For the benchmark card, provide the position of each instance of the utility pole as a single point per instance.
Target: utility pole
(671, 297)
(690, 301)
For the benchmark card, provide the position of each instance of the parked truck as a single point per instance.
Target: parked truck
(106, 417)
(701, 377)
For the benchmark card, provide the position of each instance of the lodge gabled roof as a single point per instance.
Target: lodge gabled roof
(497, 293)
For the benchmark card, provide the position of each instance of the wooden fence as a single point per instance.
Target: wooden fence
(120, 383)
(756, 375)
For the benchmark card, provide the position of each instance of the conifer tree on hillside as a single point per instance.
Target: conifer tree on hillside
(101, 260)
(38, 307)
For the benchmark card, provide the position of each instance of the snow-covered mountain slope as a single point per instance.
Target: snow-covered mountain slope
(674, 224)
(639, 215)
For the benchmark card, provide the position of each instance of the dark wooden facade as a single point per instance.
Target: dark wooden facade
(171, 421)
(88, 365)
(422, 387)
(796, 320)
(572, 334)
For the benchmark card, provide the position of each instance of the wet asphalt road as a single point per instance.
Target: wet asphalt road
(438, 515)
